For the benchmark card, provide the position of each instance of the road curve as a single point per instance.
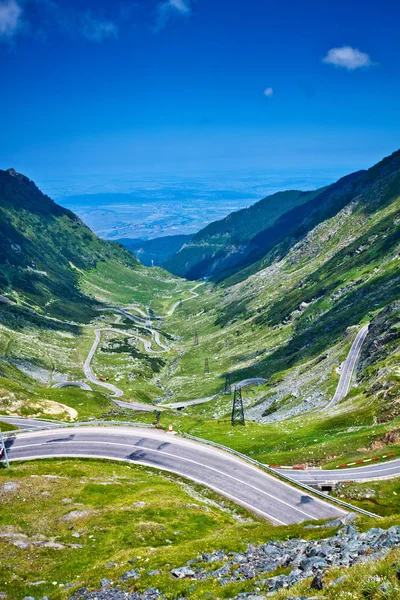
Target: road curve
(226, 474)
(87, 368)
(194, 295)
(369, 472)
(373, 471)
(27, 423)
(137, 406)
(348, 368)
(143, 323)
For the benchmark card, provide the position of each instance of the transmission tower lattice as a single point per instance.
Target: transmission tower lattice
(228, 387)
(206, 366)
(237, 408)
(196, 339)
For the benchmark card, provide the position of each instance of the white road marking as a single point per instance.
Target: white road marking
(133, 447)
(138, 462)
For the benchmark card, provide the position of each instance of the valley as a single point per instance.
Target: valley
(307, 325)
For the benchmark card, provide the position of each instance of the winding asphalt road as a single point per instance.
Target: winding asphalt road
(88, 368)
(368, 472)
(194, 295)
(146, 325)
(348, 368)
(226, 474)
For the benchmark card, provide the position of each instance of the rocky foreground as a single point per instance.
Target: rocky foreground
(307, 559)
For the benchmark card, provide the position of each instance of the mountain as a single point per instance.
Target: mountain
(225, 243)
(156, 251)
(44, 249)
(335, 270)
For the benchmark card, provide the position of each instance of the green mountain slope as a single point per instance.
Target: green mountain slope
(51, 261)
(56, 279)
(43, 246)
(225, 243)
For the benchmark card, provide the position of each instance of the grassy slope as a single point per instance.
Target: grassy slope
(292, 322)
(345, 271)
(222, 240)
(123, 517)
(46, 334)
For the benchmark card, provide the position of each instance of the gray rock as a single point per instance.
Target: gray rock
(182, 572)
(350, 531)
(105, 584)
(317, 583)
(386, 588)
(133, 574)
(334, 523)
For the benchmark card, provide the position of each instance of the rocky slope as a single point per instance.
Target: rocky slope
(302, 559)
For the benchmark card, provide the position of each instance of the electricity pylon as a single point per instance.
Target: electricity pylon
(206, 366)
(237, 408)
(196, 339)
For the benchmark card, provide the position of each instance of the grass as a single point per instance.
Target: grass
(7, 427)
(255, 328)
(375, 580)
(124, 513)
(381, 497)
(115, 283)
(123, 517)
(292, 323)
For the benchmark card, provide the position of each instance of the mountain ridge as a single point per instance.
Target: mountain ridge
(230, 254)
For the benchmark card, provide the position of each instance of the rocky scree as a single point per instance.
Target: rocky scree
(307, 559)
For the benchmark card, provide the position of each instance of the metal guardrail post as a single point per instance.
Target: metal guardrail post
(3, 446)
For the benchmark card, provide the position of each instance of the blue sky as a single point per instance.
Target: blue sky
(185, 86)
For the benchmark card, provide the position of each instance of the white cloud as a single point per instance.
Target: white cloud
(95, 30)
(10, 18)
(168, 8)
(180, 5)
(268, 92)
(348, 58)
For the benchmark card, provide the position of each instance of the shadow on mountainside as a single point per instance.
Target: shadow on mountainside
(329, 328)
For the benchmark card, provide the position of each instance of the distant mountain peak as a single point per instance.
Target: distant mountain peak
(13, 173)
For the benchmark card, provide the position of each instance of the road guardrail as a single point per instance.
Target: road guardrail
(285, 477)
